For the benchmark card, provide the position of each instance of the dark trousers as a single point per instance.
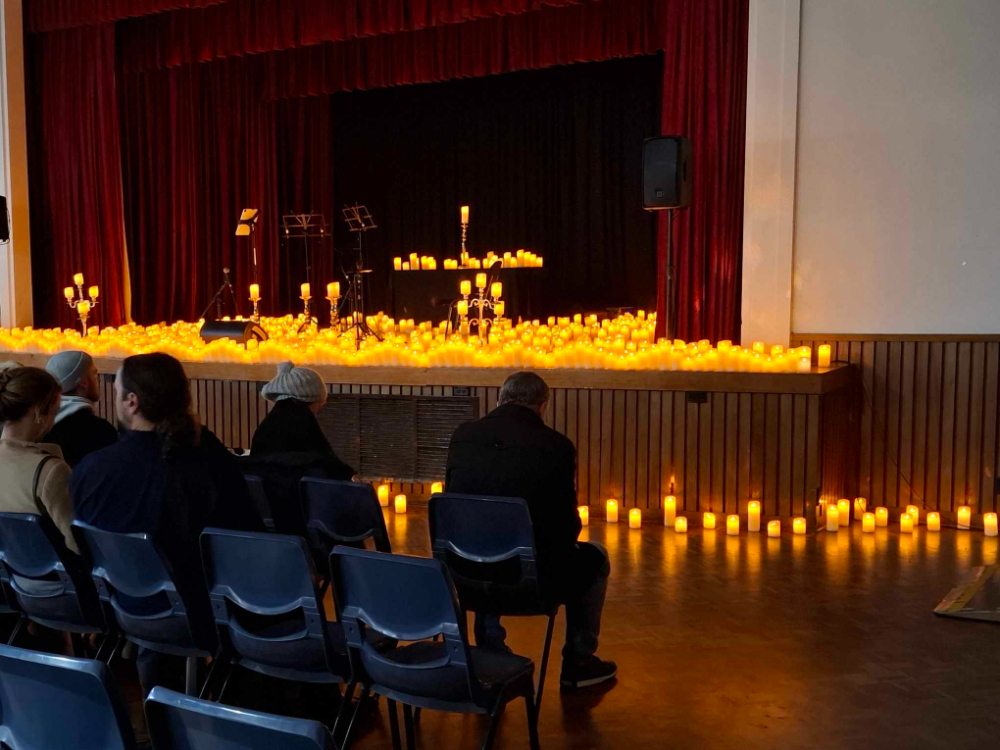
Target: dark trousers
(583, 614)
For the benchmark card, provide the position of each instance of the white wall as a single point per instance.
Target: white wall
(897, 212)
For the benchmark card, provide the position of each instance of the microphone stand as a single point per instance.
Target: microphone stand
(217, 299)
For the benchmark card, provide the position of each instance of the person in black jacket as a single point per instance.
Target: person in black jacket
(77, 430)
(167, 477)
(512, 453)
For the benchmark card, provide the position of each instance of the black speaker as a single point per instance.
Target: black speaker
(4, 223)
(240, 331)
(666, 173)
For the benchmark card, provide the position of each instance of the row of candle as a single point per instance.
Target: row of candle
(520, 259)
(399, 502)
(837, 515)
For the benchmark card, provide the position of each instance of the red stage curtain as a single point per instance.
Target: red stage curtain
(198, 147)
(52, 15)
(241, 27)
(75, 184)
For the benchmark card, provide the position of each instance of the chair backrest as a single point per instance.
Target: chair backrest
(134, 577)
(180, 722)
(55, 701)
(408, 599)
(342, 513)
(488, 544)
(258, 496)
(263, 593)
(47, 581)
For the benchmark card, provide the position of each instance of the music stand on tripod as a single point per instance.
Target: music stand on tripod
(305, 227)
(359, 220)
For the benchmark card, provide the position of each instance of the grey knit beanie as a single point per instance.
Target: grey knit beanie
(295, 382)
(69, 368)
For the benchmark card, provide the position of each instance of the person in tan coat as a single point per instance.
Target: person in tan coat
(33, 476)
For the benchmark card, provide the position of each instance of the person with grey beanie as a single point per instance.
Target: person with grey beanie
(77, 430)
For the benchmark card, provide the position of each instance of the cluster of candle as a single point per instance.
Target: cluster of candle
(520, 259)
(399, 502)
(626, 342)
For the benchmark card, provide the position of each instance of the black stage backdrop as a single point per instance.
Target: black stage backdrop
(549, 161)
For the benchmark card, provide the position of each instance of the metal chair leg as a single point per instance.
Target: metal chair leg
(225, 683)
(393, 724)
(115, 642)
(411, 740)
(191, 676)
(532, 722)
(491, 733)
(345, 702)
(545, 662)
(17, 630)
(216, 660)
(354, 716)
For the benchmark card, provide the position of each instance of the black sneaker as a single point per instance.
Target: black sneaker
(590, 671)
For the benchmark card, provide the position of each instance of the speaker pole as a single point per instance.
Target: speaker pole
(671, 327)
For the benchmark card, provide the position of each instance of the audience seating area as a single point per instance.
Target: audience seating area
(400, 631)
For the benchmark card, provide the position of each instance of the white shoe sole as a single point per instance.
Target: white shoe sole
(588, 683)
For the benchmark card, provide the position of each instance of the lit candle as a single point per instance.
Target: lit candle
(758, 347)
(305, 289)
(881, 516)
(584, 512)
(255, 292)
(733, 525)
(437, 487)
(465, 287)
(799, 525)
(868, 522)
(964, 517)
(934, 522)
(93, 292)
(990, 524)
(383, 495)
(401, 503)
(774, 528)
(499, 308)
(805, 365)
(669, 510)
(463, 308)
(496, 290)
(823, 358)
(860, 506)
(635, 518)
(906, 523)
(832, 517)
(406, 265)
(78, 279)
(708, 521)
(612, 513)
(914, 511)
(333, 289)
(397, 264)
(681, 525)
(83, 308)
(465, 214)
(68, 292)
(844, 512)
(480, 281)
(753, 516)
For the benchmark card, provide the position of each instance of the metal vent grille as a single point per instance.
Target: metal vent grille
(403, 437)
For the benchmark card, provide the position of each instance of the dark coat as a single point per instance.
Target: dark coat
(512, 453)
(291, 427)
(80, 434)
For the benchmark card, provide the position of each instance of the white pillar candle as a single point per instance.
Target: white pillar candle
(774, 528)
(681, 525)
(383, 495)
(906, 523)
(844, 512)
(823, 358)
(401, 503)
(753, 516)
(964, 517)
(881, 516)
(635, 518)
(990, 524)
(669, 510)
(832, 518)
(934, 522)
(914, 511)
(733, 525)
(860, 506)
(612, 514)
(799, 525)
(584, 512)
(708, 521)
(868, 523)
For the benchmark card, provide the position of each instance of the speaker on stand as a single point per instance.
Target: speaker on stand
(666, 186)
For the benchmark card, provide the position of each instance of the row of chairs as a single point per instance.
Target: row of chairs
(266, 607)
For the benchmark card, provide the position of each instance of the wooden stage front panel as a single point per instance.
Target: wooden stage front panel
(718, 440)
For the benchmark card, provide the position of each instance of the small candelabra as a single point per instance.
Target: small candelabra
(333, 297)
(255, 299)
(305, 297)
(481, 303)
(465, 233)
(81, 304)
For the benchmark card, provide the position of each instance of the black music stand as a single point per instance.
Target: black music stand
(305, 227)
(359, 220)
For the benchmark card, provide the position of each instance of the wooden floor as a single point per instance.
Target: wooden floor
(825, 641)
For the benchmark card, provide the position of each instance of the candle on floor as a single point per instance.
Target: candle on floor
(406, 265)
(860, 506)
(832, 518)
(914, 511)
(799, 525)
(612, 513)
(881, 516)
(868, 523)
(964, 517)
(635, 518)
(584, 512)
(437, 487)
(906, 523)
(774, 528)
(753, 516)
(708, 521)
(681, 525)
(823, 358)
(733, 525)
(844, 512)
(669, 510)
(401, 503)
(383, 495)
(934, 522)
(397, 264)
(990, 524)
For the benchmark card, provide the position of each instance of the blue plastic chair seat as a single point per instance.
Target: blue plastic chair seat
(309, 656)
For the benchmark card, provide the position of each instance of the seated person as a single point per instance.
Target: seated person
(512, 453)
(167, 476)
(289, 444)
(77, 430)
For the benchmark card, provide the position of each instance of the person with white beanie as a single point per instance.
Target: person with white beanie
(77, 430)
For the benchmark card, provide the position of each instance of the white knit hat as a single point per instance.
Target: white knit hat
(295, 382)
